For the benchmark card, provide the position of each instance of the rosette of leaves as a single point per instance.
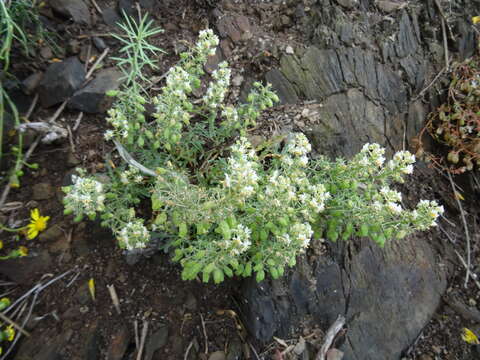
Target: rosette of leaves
(456, 123)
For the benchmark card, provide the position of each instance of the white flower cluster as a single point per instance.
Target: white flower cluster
(391, 198)
(296, 151)
(402, 163)
(231, 116)
(242, 176)
(302, 234)
(207, 43)
(119, 121)
(217, 89)
(134, 235)
(426, 214)
(132, 175)
(240, 241)
(314, 200)
(371, 154)
(85, 196)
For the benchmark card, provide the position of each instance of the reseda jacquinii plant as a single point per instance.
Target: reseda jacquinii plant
(244, 212)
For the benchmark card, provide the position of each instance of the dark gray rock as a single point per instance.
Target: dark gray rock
(28, 269)
(467, 40)
(43, 345)
(406, 43)
(92, 98)
(111, 17)
(127, 7)
(349, 4)
(99, 43)
(77, 10)
(119, 343)
(282, 87)
(235, 350)
(388, 293)
(43, 191)
(156, 341)
(29, 85)
(60, 81)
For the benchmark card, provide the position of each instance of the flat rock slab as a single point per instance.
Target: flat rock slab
(77, 10)
(60, 81)
(387, 296)
(92, 98)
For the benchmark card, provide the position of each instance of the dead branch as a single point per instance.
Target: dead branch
(467, 234)
(330, 336)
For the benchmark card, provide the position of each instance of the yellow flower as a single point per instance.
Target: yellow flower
(37, 224)
(469, 337)
(476, 19)
(1, 244)
(10, 333)
(22, 251)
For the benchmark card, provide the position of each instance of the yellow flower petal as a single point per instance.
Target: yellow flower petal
(469, 337)
(91, 287)
(35, 214)
(476, 19)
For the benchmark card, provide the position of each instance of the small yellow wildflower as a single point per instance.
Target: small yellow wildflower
(476, 19)
(1, 244)
(10, 333)
(37, 224)
(469, 337)
(23, 251)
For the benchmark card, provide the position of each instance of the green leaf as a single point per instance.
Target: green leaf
(161, 218)
(274, 272)
(260, 276)
(263, 235)
(363, 230)
(182, 230)
(218, 276)
(228, 271)
(205, 277)
(248, 270)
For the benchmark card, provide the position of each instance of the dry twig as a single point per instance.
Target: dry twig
(330, 336)
(185, 357)
(113, 295)
(204, 334)
(142, 340)
(14, 324)
(94, 66)
(465, 226)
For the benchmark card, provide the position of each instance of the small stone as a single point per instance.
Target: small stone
(119, 344)
(77, 10)
(72, 160)
(83, 294)
(334, 354)
(127, 7)
(191, 302)
(74, 46)
(212, 62)
(425, 357)
(472, 302)
(60, 81)
(218, 355)
(25, 270)
(30, 84)
(348, 4)
(46, 52)
(289, 50)
(99, 43)
(299, 347)
(389, 6)
(52, 233)
(43, 191)
(156, 341)
(111, 17)
(92, 98)
(237, 80)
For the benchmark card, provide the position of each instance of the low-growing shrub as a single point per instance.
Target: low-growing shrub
(226, 207)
